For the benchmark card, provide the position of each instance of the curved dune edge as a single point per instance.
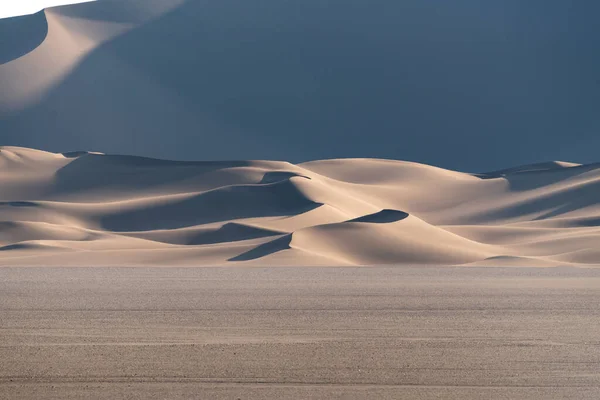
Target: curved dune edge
(91, 209)
(21, 35)
(27, 79)
(71, 33)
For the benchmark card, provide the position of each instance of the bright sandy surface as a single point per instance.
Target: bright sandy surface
(300, 333)
(107, 210)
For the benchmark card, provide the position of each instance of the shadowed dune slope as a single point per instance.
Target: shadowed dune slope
(38, 52)
(20, 35)
(305, 80)
(84, 208)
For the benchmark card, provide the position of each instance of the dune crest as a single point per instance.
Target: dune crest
(54, 41)
(86, 208)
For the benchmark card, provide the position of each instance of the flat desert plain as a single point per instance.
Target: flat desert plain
(300, 333)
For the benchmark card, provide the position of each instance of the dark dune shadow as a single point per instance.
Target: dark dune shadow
(139, 161)
(129, 173)
(520, 169)
(75, 154)
(277, 176)
(16, 246)
(20, 35)
(537, 175)
(18, 204)
(223, 204)
(382, 217)
(551, 205)
(584, 222)
(265, 249)
(27, 246)
(571, 200)
(312, 80)
(230, 232)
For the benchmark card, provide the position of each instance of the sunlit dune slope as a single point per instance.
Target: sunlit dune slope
(38, 51)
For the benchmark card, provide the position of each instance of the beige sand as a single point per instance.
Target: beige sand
(106, 210)
(299, 333)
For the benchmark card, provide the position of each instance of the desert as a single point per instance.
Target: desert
(112, 210)
(341, 199)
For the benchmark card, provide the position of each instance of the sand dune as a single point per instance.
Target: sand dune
(303, 81)
(51, 44)
(29, 77)
(95, 209)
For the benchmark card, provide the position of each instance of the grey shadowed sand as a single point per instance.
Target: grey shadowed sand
(469, 86)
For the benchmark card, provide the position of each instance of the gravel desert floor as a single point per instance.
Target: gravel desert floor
(254, 333)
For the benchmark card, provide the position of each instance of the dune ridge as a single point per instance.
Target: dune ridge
(86, 208)
(51, 44)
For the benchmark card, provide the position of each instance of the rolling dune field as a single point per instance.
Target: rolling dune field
(112, 210)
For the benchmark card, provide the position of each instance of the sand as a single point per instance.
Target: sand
(266, 333)
(279, 322)
(70, 34)
(91, 209)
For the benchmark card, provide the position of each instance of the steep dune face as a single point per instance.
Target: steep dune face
(94, 209)
(20, 35)
(38, 52)
(27, 79)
